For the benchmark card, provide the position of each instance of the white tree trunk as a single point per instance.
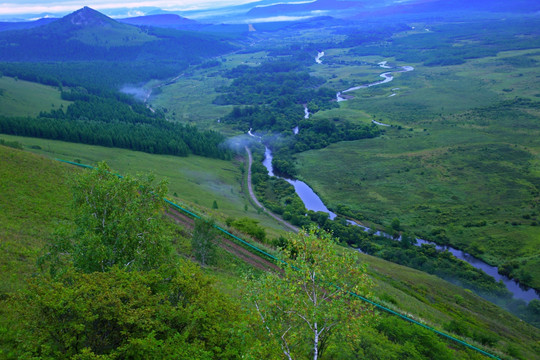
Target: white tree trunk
(316, 343)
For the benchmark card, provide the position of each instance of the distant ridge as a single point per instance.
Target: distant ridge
(160, 20)
(21, 25)
(444, 6)
(319, 5)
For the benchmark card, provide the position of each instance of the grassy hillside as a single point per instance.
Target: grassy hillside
(198, 181)
(23, 98)
(37, 197)
(451, 309)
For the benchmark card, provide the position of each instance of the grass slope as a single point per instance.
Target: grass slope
(23, 98)
(35, 196)
(197, 180)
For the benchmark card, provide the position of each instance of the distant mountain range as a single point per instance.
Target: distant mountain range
(163, 20)
(87, 34)
(242, 14)
(361, 8)
(275, 11)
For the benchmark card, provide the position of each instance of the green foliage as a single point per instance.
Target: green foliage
(118, 222)
(99, 77)
(304, 309)
(249, 226)
(318, 134)
(396, 224)
(416, 343)
(438, 46)
(116, 121)
(11, 144)
(277, 194)
(203, 241)
(121, 314)
(274, 90)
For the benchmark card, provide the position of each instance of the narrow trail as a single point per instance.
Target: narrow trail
(226, 244)
(254, 198)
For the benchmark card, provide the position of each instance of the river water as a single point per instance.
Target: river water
(319, 56)
(313, 202)
(387, 77)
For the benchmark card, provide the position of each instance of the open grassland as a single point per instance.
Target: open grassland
(37, 195)
(34, 197)
(198, 181)
(510, 74)
(189, 99)
(24, 98)
(463, 168)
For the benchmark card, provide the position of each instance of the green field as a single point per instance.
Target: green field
(196, 180)
(23, 98)
(464, 168)
(189, 98)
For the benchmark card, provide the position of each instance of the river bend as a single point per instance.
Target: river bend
(313, 202)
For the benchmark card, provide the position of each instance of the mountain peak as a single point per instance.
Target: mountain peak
(88, 17)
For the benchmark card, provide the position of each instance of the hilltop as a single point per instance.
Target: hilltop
(87, 34)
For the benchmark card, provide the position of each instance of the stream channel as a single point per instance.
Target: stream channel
(313, 202)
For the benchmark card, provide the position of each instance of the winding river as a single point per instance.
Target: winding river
(313, 202)
(387, 77)
(319, 56)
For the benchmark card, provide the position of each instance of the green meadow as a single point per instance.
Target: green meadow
(189, 99)
(24, 98)
(460, 165)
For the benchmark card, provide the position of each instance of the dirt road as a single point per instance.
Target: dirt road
(288, 225)
(226, 244)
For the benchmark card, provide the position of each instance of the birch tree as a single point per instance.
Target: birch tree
(307, 308)
(202, 241)
(117, 222)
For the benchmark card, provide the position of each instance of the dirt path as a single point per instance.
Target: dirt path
(226, 244)
(254, 198)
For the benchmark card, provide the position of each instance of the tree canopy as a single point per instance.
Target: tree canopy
(117, 222)
(308, 306)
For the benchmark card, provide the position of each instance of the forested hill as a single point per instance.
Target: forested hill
(89, 35)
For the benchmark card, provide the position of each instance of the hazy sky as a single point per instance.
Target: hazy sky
(66, 6)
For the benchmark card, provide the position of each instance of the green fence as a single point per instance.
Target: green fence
(259, 252)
